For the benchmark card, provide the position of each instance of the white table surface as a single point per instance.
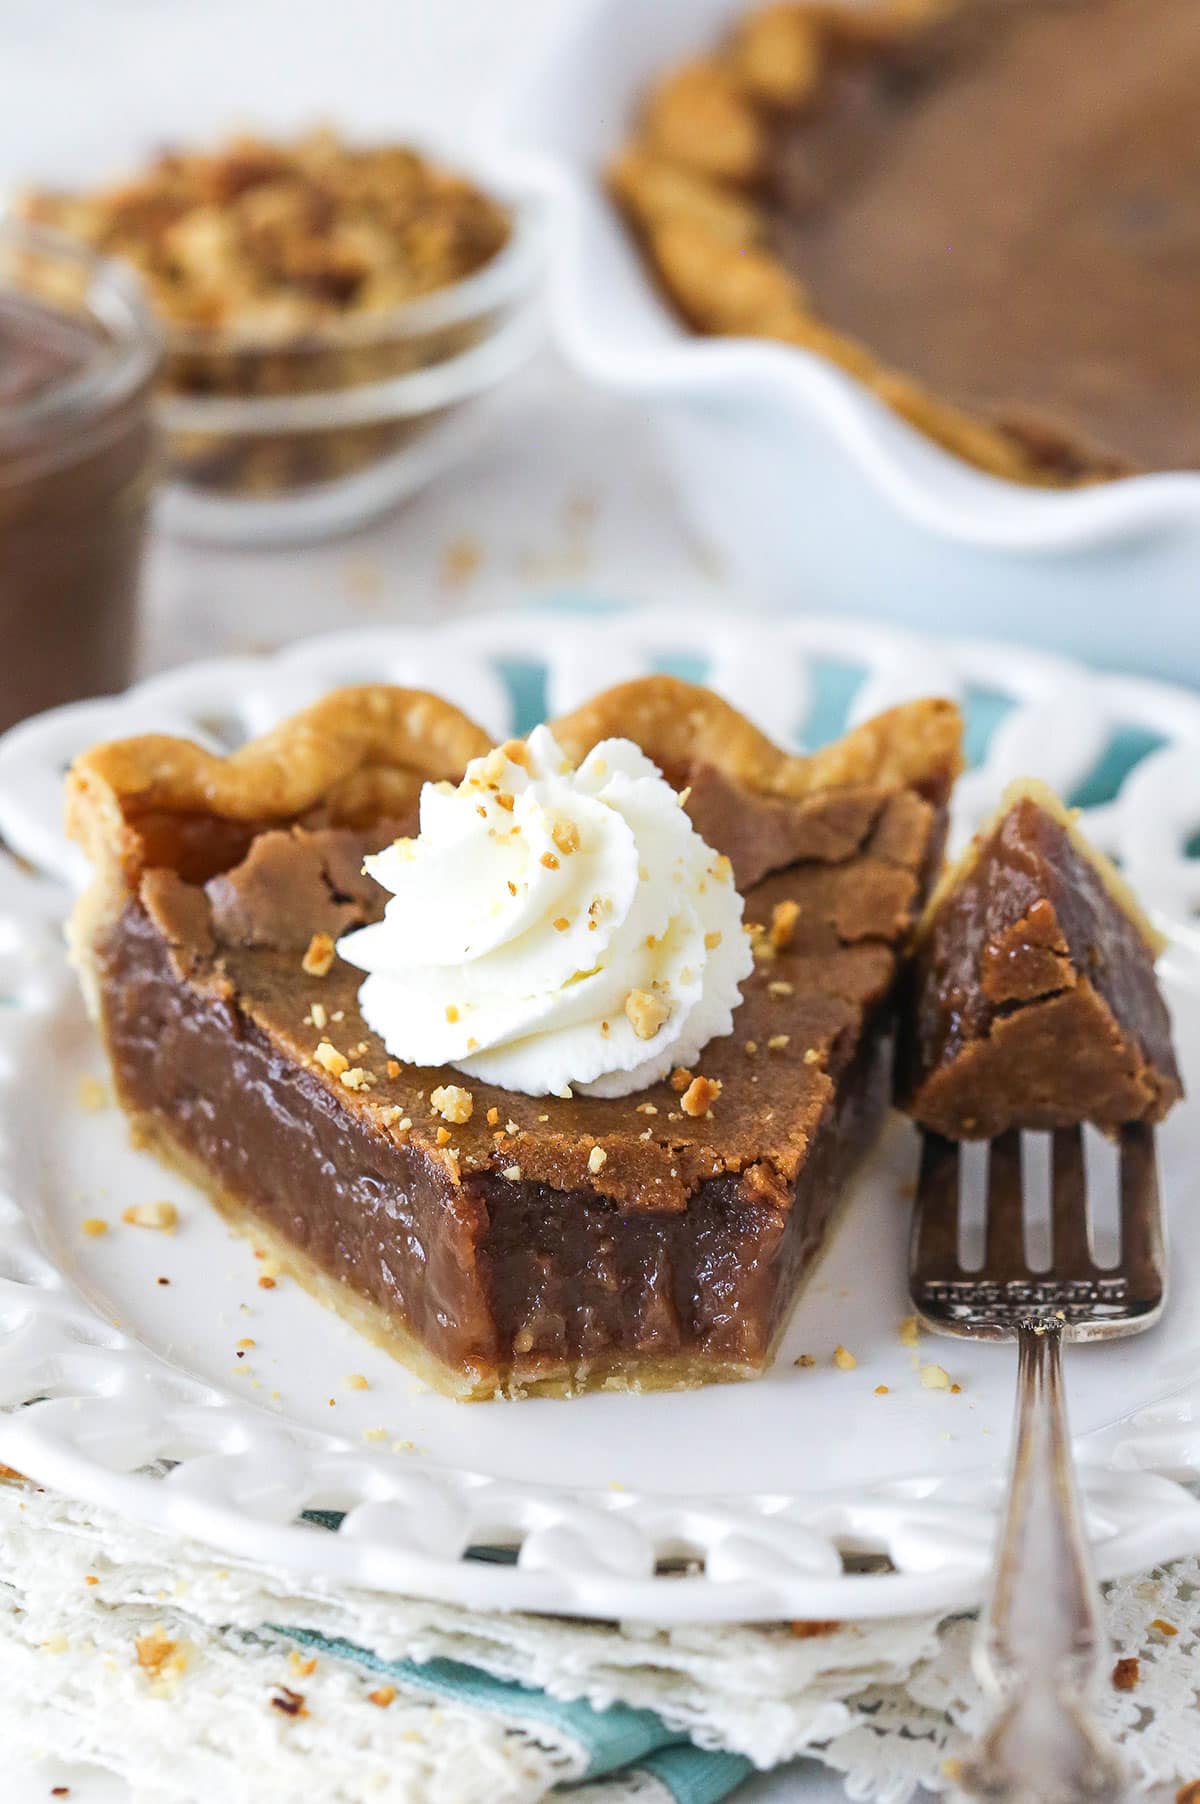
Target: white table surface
(567, 497)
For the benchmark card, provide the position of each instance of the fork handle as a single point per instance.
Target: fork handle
(1042, 1644)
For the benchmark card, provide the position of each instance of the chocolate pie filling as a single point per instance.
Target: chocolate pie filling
(1007, 207)
(677, 1261)
(1032, 999)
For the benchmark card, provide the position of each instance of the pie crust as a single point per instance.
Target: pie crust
(696, 181)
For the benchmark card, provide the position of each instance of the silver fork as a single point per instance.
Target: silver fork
(1041, 1646)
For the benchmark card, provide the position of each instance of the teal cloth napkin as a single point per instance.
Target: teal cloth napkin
(612, 1743)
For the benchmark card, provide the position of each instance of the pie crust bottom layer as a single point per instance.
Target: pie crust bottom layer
(448, 1279)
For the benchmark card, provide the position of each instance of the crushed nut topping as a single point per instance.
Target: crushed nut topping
(92, 1094)
(565, 835)
(843, 1359)
(700, 1095)
(318, 960)
(550, 861)
(597, 1159)
(511, 1127)
(561, 924)
(784, 916)
(750, 1048)
(680, 1079)
(452, 1103)
(443, 1136)
(152, 1215)
(778, 986)
(355, 1381)
(647, 1108)
(712, 940)
(646, 1013)
(779, 1042)
(289, 1701)
(512, 1173)
(493, 1117)
(382, 1696)
(909, 1332)
(357, 1079)
(393, 1068)
(158, 1655)
(317, 1017)
(334, 1062)
(94, 1225)
(935, 1378)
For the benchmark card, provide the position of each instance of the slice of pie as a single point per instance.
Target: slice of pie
(983, 209)
(1032, 1000)
(505, 1243)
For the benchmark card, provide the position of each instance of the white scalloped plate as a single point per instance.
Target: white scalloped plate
(134, 1393)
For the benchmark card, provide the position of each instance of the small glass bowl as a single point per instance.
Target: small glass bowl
(297, 439)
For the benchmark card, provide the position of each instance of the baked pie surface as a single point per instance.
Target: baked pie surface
(984, 209)
(499, 1253)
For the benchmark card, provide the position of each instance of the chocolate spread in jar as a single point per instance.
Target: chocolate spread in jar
(76, 460)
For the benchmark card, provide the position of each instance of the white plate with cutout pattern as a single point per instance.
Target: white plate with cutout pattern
(739, 1502)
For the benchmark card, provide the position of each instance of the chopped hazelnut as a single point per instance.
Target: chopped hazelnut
(779, 1042)
(597, 1159)
(334, 1062)
(1125, 1676)
(94, 1225)
(784, 916)
(355, 1381)
(493, 1117)
(151, 1215)
(443, 1136)
(266, 1282)
(317, 1016)
(680, 1079)
(452, 1103)
(381, 1696)
(357, 1079)
(843, 1359)
(778, 986)
(805, 1361)
(561, 924)
(511, 1127)
(647, 1108)
(646, 1013)
(700, 1096)
(881, 1390)
(935, 1378)
(393, 1068)
(550, 861)
(512, 1173)
(565, 835)
(318, 960)
(750, 1048)
(92, 1094)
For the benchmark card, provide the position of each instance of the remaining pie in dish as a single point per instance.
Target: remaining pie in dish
(500, 1242)
(1032, 996)
(984, 209)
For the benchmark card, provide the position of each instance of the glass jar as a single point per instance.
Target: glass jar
(79, 354)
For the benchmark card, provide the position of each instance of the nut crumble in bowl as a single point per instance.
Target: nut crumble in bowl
(330, 309)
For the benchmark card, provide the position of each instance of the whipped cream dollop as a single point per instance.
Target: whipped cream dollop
(553, 929)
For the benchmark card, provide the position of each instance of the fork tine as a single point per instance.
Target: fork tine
(1142, 1252)
(1068, 1205)
(934, 1250)
(1005, 1254)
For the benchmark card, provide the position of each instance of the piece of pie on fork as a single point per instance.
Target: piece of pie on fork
(522, 1243)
